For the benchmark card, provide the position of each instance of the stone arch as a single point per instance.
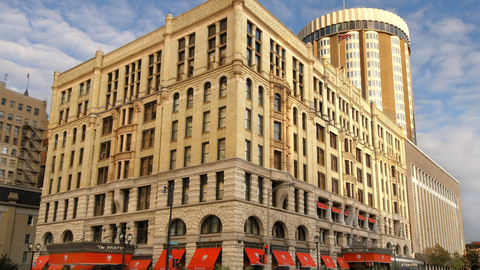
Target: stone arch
(47, 239)
(280, 229)
(389, 246)
(207, 223)
(189, 221)
(259, 214)
(301, 233)
(405, 250)
(66, 236)
(253, 224)
(179, 227)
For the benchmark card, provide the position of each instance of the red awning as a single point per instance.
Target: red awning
(345, 213)
(89, 258)
(40, 262)
(176, 254)
(336, 210)
(204, 258)
(83, 267)
(283, 258)
(322, 205)
(55, 267)
(328, 261)
(138, 264)
(371, 257)
(254, 256)
(343, 264)
(305, 259)
(371, 220)
(361, 217)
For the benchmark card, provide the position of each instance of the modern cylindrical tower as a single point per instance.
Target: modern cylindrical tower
(372, 46)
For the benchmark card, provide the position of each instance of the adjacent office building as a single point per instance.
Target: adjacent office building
(372, 46)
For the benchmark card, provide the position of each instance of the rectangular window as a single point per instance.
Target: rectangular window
(25, 257)
(369, 180)
(102, 175)
(360, 195)
(277, 160)
(107, 125)
(47, 209)
(370, 199)
(205, 152)
(203, 188)
(27, 238)
(295, 142)
(206, 121)
(333, 140)
(359, 175)
(260, 125)
(320, 156)
(321, 180)
(260, 155)
(248, 119)
(187, 159)
(188, 126)
(359, 155)
(368, 160)
(277, 132)
(247, 186)
(80, 157)
(142, 232)
(305, 202)
(222, 117)
(185, 189)
(247, 150)
(105, 150)
(146, 164)
(334, 164)
(221, 149)
(334, 186)
(150, 113)
(173, 159)
(30, 220)
(143, 202)
(174, 130)
(65, 210)
(219, 185)
(99, 205)
(75, 207)
(148, 138)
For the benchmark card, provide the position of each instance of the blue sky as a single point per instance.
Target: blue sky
(41, 36)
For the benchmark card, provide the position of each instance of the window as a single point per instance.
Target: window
(30, 220)
(174, 130)
(178, 228)
(368, 160)
(84, 132)
(320, 156)
(360, 195)
(102, 175)
(190, 98)
(359, 155)
(369, 180)
(173, 159)
(143, 202)
(334, 186)
(304, 121)
(260, 125)
(333, 140)
(4, 101)
(211, 225)
(260, 96)
(185, 189)
(27, 238)
(278, 231)
(334, 164)
(206, 121)
(97, 233)
(105, 150)
(107, 125)
(99, 205)
(248, 119)
(222, 117)
(142, 232)
(248, 89)
(146, 166)
(277, 160)
(247, 186)
(25, 257)
(359, 175)
(187, 159)
(295, 142)
(203, 188)
(221, 149)
(260, 155)
(148, 138)
(80, 158)
(277, 103)
(207, 92)
(188, 126)
(277, 133)
(321, 180)
(219, 185)
(205, 152)
(223, 87)
(150, 113)
(251, 226)
(176, 102)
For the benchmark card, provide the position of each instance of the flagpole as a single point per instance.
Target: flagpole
(28, 79)
(338, 49)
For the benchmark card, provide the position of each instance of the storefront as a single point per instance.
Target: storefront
(367, 258)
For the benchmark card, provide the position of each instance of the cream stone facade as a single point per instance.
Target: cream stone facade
(223, 104)
(375, 57)
(435, 204)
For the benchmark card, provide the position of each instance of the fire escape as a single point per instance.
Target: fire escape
(30, 154)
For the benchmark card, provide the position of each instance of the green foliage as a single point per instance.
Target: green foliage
(249, 268)
(457, 261)
(438, 256)
(6, 263)
(472, 257)
(219, 267)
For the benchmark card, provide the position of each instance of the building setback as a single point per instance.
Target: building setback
(222, 104)
(372, 46)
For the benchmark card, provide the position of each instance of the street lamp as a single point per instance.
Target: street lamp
(394, 251)
(317, 241)
(365, 245)
(124, 243)
(33, 249)
(170, 199)
(268, 219)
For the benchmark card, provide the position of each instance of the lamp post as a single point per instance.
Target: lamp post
(33, 249)
(124, 243)
(394, 251)
(170, 199)
(269, 265)
(317, 241)
(365, 244)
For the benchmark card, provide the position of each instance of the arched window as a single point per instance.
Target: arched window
(68, 237)
(295, 115)
(5, 150)
(84, 132)
(212, 225)
(260, 96)
(178, 228)
(304, 121)
(251, 226)
(277, 230)
(248, 89)
(64, 141)
(207, 91)
(389, 246)
(405, 250)
(14, 152)
(277, 103)
(300, 234)
(223, 87)
(190, 98)
(74, 135)
(176, 102)
(56, 142)
(48, 239)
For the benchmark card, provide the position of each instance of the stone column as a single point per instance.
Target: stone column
(328, 214)
(230, 251)
(341, 216)
(254, 188)
(133, 200)
(109, 203)
(211, 189)
(194, 189)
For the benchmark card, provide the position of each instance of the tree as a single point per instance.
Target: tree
(6, 263)
(457, 262)
(472, 257)
(438, 256)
